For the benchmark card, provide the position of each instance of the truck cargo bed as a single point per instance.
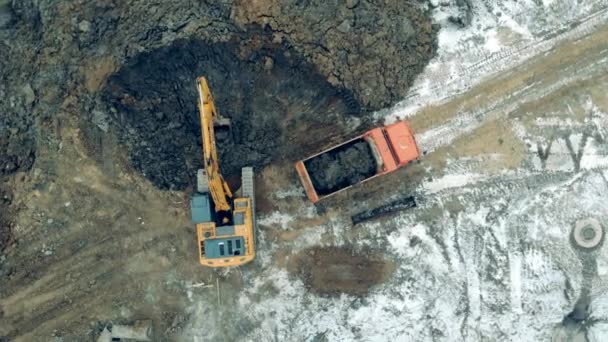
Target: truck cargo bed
(341, 167)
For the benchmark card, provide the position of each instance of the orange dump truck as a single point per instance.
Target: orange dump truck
(372, 154)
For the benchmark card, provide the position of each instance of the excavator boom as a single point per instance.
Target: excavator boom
(220, 192)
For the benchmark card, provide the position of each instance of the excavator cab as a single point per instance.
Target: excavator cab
(223, 244)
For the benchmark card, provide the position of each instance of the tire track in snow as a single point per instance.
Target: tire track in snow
(438, 87)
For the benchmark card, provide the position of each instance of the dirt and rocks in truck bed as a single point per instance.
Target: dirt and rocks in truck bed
(342, 167)
(98, 114)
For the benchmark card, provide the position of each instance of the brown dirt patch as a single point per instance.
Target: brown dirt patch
(336, 270)
(97, 72)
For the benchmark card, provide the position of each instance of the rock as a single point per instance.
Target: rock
(28, 95)
(268, 63)
(139, 331)
(387, 25)
(100, 119)
(350, 4)
(6, 15)
(84, 26)
(407, 29)
(174, 124)
(344, 26)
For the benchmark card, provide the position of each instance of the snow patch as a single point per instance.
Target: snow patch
(451, 181)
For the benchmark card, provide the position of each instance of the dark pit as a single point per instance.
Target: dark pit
(280, 107)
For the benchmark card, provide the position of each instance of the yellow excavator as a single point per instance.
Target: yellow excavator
(225, 224)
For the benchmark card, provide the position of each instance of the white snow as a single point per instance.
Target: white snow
(276, 219)
(515, 264)
(598, 332)
(451, 181)
(595, 156)
(463, 62)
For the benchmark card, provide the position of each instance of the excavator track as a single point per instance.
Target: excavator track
(202, 182)
(248, 190)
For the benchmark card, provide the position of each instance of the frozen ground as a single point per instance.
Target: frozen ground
(486, 255)
(502, 268)
(501, 36)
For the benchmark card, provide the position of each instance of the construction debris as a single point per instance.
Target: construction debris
(400, 204)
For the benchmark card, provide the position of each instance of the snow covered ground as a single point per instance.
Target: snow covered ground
(503, 268)
(501, 36)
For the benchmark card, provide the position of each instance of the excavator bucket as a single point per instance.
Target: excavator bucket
(223, 128)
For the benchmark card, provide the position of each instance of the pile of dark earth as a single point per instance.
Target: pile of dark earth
(292, 76)
(274, 102)
(17, 145)
(341, 167)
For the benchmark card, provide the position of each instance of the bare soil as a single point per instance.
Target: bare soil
(336, 270)
(101, 122)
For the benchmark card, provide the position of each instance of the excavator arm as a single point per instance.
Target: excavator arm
(218, 188)
(228, 237)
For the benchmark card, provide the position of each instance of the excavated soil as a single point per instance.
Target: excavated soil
(5, 222)
(17, 150)
(279, 107)
(341, 167)
(95, 93)
(374, 48)
(333, 271)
